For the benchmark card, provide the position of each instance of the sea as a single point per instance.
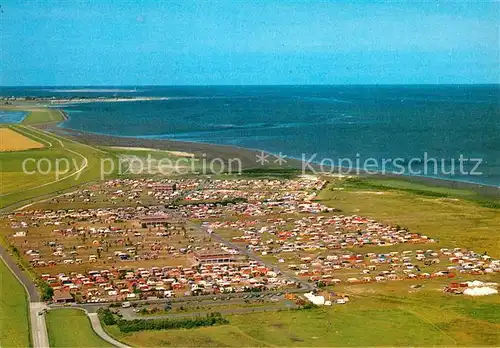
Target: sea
(445, 131)
(7, 116)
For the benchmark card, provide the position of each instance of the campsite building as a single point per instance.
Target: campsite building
(61, 296)
(153, 220)
(214, 257)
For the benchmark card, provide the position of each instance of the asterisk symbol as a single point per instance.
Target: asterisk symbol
(280, 159)
(262, 158)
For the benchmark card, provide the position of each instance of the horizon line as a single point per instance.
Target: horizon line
(259, 85)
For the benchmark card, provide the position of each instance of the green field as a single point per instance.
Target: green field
(38, 116)
(406, 184)
(83, 165)
(71, 328)
(387, 317)
(14, 326)
(457, 218)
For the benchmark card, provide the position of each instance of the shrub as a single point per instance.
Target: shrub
(106, 316)
(309, 305)
(165, 324)
(46, 291)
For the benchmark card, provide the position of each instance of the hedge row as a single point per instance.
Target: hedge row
(165, 324)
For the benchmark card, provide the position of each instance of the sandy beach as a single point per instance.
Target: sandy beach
(175, 153)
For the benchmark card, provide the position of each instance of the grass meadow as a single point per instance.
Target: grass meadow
(14, 325)
(457, 218)
(71, 328)
(43, 115)
(390, 316)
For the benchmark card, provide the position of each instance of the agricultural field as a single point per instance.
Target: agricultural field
(61, 327)
(14, 141)
(14, 329)
(151, 162)
(61, 164)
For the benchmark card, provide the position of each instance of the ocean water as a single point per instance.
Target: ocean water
(331, 123)
(12, 116)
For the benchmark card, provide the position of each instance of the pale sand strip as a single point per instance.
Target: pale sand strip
(174, 153)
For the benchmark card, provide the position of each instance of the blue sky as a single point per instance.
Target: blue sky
(255, 42)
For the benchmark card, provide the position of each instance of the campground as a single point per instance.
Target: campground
(381, 314)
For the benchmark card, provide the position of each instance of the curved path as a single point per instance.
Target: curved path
(85, 161)
(39, 336)
(79, 170)
(21, 276)
(96, 326)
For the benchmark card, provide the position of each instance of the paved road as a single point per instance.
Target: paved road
(38, 325)
(39, 334)
(129, 314)
(201, 300)
(305, 285)
(96, 325)
(23, 278)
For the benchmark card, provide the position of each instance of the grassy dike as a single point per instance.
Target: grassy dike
(78, 163)
(43, 115)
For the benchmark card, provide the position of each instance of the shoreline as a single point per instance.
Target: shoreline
(50, 102)
(248, 157)
(200, 150)
(221, 151)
